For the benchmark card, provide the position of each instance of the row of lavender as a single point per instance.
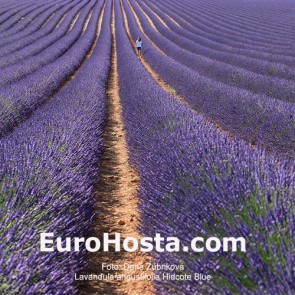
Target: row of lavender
(245, 19)
(47, 49)
(34, 17)
(255, 118)
(6, 7)
(233, 16)
(13, 8)
(247, 23)
(198, 182)
(49, 166)
(282, 44)
(219, 71)
(216, 47)
(45, 24)
(248, 12)
(53, 31)
(19, 99)
(9, 20)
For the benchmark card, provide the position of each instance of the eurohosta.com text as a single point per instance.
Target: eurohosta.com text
(50, 243)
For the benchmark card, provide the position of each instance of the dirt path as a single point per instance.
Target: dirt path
(117, 200)
(156, 77)
(74, 20)
(60, 21)
(87, 21)
(47, 20)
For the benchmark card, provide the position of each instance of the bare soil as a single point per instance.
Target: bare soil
(74, 21)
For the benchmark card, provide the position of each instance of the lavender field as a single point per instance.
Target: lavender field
(204, 116)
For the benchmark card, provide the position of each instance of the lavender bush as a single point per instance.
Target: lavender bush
(202, 39)
(196, 181)
(19, 18)
(232, 36)
(227, 15)
(35, 43)
(220, 71)
(233, 10)
(49, 52)
(36, 25)
(19, 99)
(256, 118)
(48, 167)
(14, 8)
(29, 19)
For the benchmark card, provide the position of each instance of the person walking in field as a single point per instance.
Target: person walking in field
(138, 45)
